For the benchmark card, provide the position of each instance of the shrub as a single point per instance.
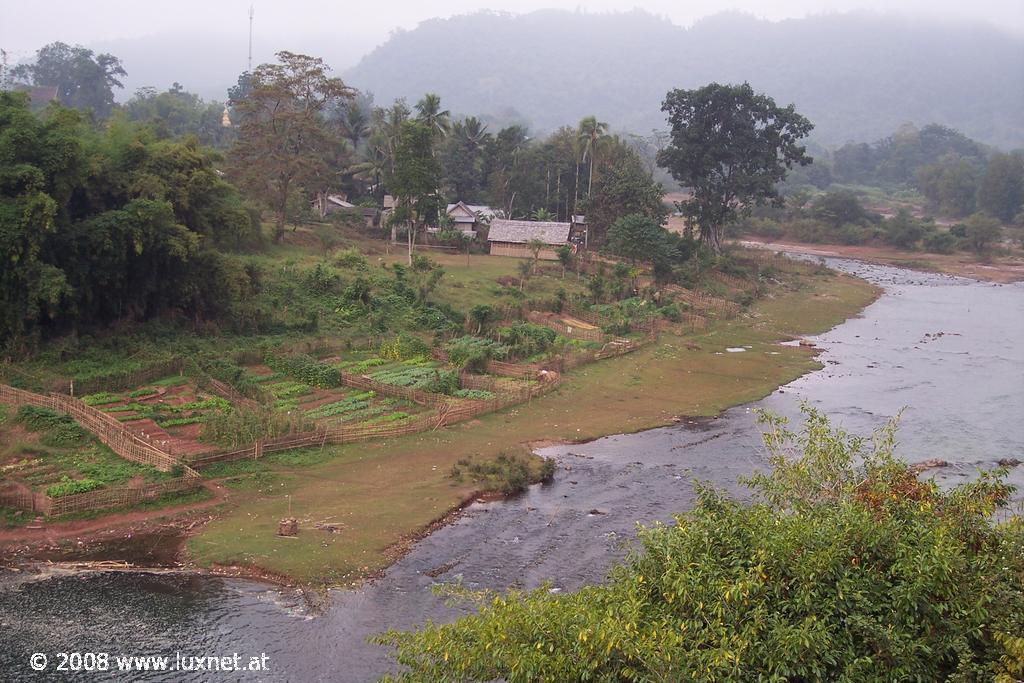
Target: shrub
(306, 369)
(474, 352)
(404, 346)
(243, 426)
(527, 339)
(844, 566)
(941, 243)
(507, 474)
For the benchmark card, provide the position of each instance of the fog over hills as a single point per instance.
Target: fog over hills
(856, 76)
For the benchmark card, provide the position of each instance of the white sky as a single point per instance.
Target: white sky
(25, 25)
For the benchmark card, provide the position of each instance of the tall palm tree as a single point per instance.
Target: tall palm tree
(430, 113)
(387, 124)
(355, 124)
(374, 166)
(591, 131)
(473, 132)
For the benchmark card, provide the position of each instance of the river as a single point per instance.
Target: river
(949, 350)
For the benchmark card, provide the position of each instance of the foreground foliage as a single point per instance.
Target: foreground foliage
(843, 567)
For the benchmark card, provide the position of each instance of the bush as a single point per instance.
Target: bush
(403, 347)
(473, 352)
(854, 234)
(903, 230)
(844, 566)
(306, 369)
(507, 474)
(244, 426)
(527, 339)
(941, 243)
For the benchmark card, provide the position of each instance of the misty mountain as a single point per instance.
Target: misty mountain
(856, 76)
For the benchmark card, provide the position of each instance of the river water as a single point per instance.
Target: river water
(949, 350)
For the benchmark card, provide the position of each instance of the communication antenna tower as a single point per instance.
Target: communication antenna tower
(252, 13)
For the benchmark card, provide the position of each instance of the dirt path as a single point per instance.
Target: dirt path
(1002, 270)
(110, 525)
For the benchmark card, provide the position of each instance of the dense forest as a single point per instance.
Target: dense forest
(858, 77)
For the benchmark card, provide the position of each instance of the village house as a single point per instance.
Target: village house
(512, 238)
(468, 219)
(578, 233)
(327, 204)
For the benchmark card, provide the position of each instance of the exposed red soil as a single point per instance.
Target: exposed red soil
(25, 540)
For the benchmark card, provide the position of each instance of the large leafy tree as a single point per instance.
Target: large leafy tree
(622, 187)
(732, 146)
(950, 185)
(1001, 191)
(100, 226)
(84, 80)
(284, 140)
(176, 112)
(415, 179)
(844, 567)
(640, 238)
(462, 158)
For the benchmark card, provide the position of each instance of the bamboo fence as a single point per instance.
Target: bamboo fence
(116, 496)
(705, 303)
(594, 318)
(115, 436)
(446, 411)
(550, 320)
(423, 398)
(120, 380)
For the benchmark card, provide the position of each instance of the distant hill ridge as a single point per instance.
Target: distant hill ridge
(857, 76)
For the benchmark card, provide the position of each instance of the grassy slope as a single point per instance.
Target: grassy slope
(386, 492)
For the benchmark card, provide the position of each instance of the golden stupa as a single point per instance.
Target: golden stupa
(225, 119)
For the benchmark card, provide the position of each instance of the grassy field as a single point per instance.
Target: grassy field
(381, 494)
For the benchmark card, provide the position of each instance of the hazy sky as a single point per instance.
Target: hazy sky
(27, 24)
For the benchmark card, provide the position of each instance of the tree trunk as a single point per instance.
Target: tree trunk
(410, 232)
(714, 238)
(590, 181)
(282, 211)
(575, 193)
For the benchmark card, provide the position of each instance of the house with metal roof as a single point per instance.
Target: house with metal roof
(468, 218)
(512, 238)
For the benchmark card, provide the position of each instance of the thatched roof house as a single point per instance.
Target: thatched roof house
(511, 238)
